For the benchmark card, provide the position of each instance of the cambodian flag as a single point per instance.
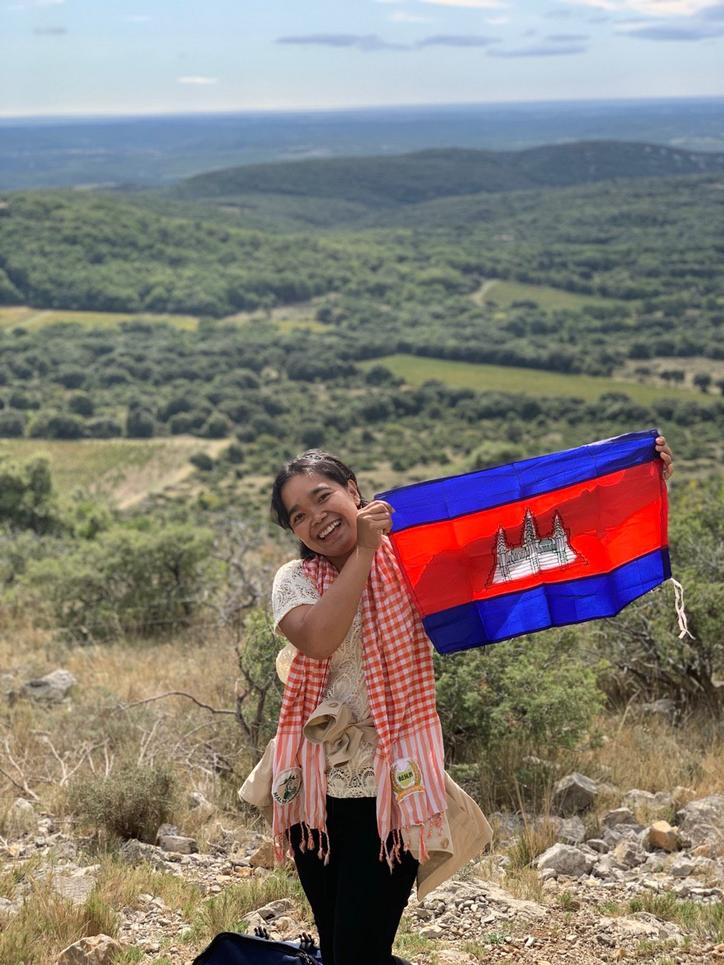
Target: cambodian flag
(558, 539)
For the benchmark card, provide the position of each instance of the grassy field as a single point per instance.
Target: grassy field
(286, 318)
(504, 293)
(34, 318)
(498, 378)
(123, 470)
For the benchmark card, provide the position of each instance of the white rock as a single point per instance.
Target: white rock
(682, 867)
(702, 821)
(178, 844)
(628, 854)
(274, 909)
(565, 860)
(572, 831)
(619, 816)
(598, 844)
(574, 793)
(21, 816)
(51, 688)
(74, 888)
(97, 950)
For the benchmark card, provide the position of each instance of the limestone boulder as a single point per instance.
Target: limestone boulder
(178, 844)
(572, 831)
(51, 689)
(628, 854)
(95, 950)
(701, 822)
(661, 836)
(618, 816)
(574, 793)
(565, 859)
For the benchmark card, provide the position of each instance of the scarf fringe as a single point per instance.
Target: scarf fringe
(283, 847)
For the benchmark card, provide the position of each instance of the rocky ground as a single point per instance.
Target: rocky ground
(607, 890)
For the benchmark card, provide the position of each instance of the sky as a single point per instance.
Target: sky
(60, 57)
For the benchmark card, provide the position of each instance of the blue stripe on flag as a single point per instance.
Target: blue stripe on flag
(441, 499)
(552, 604)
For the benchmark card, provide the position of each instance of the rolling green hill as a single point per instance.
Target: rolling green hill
(427, 175)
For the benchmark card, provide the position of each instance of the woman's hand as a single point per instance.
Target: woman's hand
(373, 522)
(667, 458)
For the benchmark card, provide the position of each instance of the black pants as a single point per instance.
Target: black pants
(356, 900)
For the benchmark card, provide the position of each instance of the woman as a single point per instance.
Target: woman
(358, 787)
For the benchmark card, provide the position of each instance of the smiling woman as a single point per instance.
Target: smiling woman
(354, 778)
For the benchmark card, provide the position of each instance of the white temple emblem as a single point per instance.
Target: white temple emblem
(534, 554)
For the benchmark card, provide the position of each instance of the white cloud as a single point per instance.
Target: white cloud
(402, 16)
(653, 8)
(472, 4)
(35, 3)
(495, 21)
(540, 50)
(197, 81)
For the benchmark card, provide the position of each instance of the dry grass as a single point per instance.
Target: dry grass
(44, 748)
(535, 838)
(119, 886)
(226, 911)
(705, 921)
(655, 756)
(47, 923)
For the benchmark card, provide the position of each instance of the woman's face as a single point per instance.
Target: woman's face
(323, 514)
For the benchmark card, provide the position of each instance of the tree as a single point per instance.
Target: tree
(643, 642)
(12, 425)
(139, 424)
(702, 380)
(27, 500)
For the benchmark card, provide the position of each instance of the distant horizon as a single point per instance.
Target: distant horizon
(351, 109)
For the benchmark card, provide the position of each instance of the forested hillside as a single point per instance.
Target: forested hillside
(619, 278)
(412, 178)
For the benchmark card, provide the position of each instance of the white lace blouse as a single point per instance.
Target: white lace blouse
(345, 683)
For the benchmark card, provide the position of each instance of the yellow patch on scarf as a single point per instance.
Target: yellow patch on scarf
(406, 778)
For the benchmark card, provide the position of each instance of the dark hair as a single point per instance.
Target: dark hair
(313, 460)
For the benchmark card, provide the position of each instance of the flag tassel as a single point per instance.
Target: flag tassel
(680, 611)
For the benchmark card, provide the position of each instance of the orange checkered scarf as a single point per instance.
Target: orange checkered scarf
(409, 759)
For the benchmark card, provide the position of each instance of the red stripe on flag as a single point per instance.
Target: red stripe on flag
(608, 521)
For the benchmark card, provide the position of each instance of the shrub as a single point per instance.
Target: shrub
(180, 423)
(103, 428)
(12, 425)
(217, 426)
(529, 696)
(131, 802)
(643, 641)
(57, 426)
(81, 404)
(26, 495)
(125, 581)
(139, 424)
(234, 453)
(259, 708)
(202, 461)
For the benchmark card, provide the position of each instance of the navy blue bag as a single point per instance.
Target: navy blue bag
(230, 948)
